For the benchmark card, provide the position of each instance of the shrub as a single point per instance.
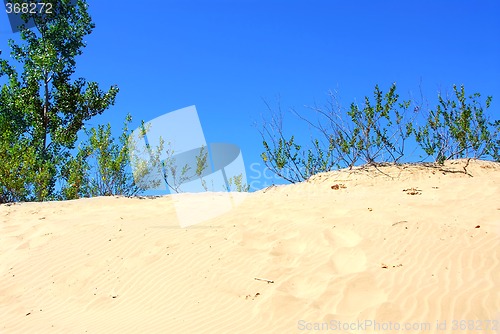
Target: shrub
(377, 132)
(459, 128)
(101, 166)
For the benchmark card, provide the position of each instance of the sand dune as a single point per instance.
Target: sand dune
(388, 246)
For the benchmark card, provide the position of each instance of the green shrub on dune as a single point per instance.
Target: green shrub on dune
(458, 127)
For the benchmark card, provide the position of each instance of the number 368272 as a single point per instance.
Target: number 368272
(28, 7)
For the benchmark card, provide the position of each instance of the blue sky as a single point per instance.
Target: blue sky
(226, 57)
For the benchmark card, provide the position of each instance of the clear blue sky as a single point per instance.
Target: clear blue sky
(225, 57)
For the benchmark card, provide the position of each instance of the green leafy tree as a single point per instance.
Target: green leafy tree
(43, 109)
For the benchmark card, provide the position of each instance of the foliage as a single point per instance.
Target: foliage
(22, 175)
(236, 183)
(42, 109)
(202, 165)
(281, 155)
(377, 132)
(100, 168)
(160, 160)
(458, 128)
(374, 132)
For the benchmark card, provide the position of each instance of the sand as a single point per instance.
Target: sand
(344, 252)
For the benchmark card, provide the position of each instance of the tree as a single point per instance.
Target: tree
(43, 109)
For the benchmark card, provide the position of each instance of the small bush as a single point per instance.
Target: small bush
(377, 132)
(101, 166)
(459, 128)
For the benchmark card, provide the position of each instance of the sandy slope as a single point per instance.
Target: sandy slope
(395, 245)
